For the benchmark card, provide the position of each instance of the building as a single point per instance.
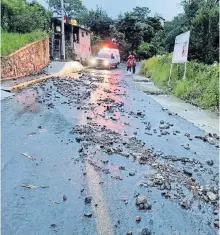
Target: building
(77, 41)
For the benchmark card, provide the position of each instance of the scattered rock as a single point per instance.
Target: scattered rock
(141, 200)
(163, 132)
(167, 185)
(164, 126)
(145, 231)
(211, 196)
(53, 225)
(129, 233)
(186, 146)
(216, 223)
(64, 197)
(185, 204)
(187, 172)
(138, 218)
(122, 168)
(88, 214)
(162, 122)
(88, 200)
(215, 212)
(131, 174)
(210, 162)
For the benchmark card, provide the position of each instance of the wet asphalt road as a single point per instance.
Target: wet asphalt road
(99, 137)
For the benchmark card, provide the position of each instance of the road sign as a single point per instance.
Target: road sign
(181, 48)
(180, 52)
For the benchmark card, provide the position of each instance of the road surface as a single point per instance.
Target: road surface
(97, 156)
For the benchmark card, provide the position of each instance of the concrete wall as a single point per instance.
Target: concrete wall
(29, 59)
(83, 48)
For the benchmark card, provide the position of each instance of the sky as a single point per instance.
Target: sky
(167, 8)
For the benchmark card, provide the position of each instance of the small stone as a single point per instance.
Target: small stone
(129, 233)
(78, 139)
(167, 185)
(148, 206)
(88, 214)
(141, 200)
(121, 167)
(138, 218)
(210, 162)
(164, 126)
(186, 146)
(131, 174)
(142, 207)
(80, 150)
(162, 122)
(211, 196)
(185, 204)
(53, 225)
(139, 113)
(216, 223)
(215, 212)
(187, 172)
(205, 198)
(64, 197)
(145, 231)
(88, 200)
(40, 127)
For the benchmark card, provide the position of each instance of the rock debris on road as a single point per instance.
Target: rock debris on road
(118, 132)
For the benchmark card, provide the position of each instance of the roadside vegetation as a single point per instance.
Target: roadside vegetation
(201, 86)
(11, 42)
(22, 22)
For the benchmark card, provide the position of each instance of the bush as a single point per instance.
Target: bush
(11, 42)
(200, 86)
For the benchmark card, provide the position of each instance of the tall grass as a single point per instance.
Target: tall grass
(11, 42)
(201, 86)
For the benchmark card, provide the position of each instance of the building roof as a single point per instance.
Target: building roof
(56, 19)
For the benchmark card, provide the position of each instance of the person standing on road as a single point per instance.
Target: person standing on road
(133, 63)
(129, 64)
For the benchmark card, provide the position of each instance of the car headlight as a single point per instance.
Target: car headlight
(105, 63)
(93, 61)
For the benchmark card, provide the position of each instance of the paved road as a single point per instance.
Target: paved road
(94, 146)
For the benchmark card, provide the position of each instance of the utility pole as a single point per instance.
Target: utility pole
(62, 32)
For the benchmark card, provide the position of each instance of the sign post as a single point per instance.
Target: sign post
(170, 73)
(180, 52)
(62, 32)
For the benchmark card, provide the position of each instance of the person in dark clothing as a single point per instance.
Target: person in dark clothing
(133, 64)
(129, 64)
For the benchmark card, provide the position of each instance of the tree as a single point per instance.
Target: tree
(205, 33)
(23, 17)
(146, 50)
(141, 13)
(72, 8)
(201, 17)
(137, 26)
(98, 21)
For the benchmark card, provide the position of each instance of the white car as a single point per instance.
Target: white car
(107, 58)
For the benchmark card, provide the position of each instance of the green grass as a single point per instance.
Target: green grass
(11, 42)
(201, 86)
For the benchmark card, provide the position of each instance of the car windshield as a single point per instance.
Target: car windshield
(104, 54)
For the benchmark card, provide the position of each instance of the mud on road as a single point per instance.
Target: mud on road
(129, 165)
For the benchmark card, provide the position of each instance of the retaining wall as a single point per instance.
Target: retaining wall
(27, 60)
